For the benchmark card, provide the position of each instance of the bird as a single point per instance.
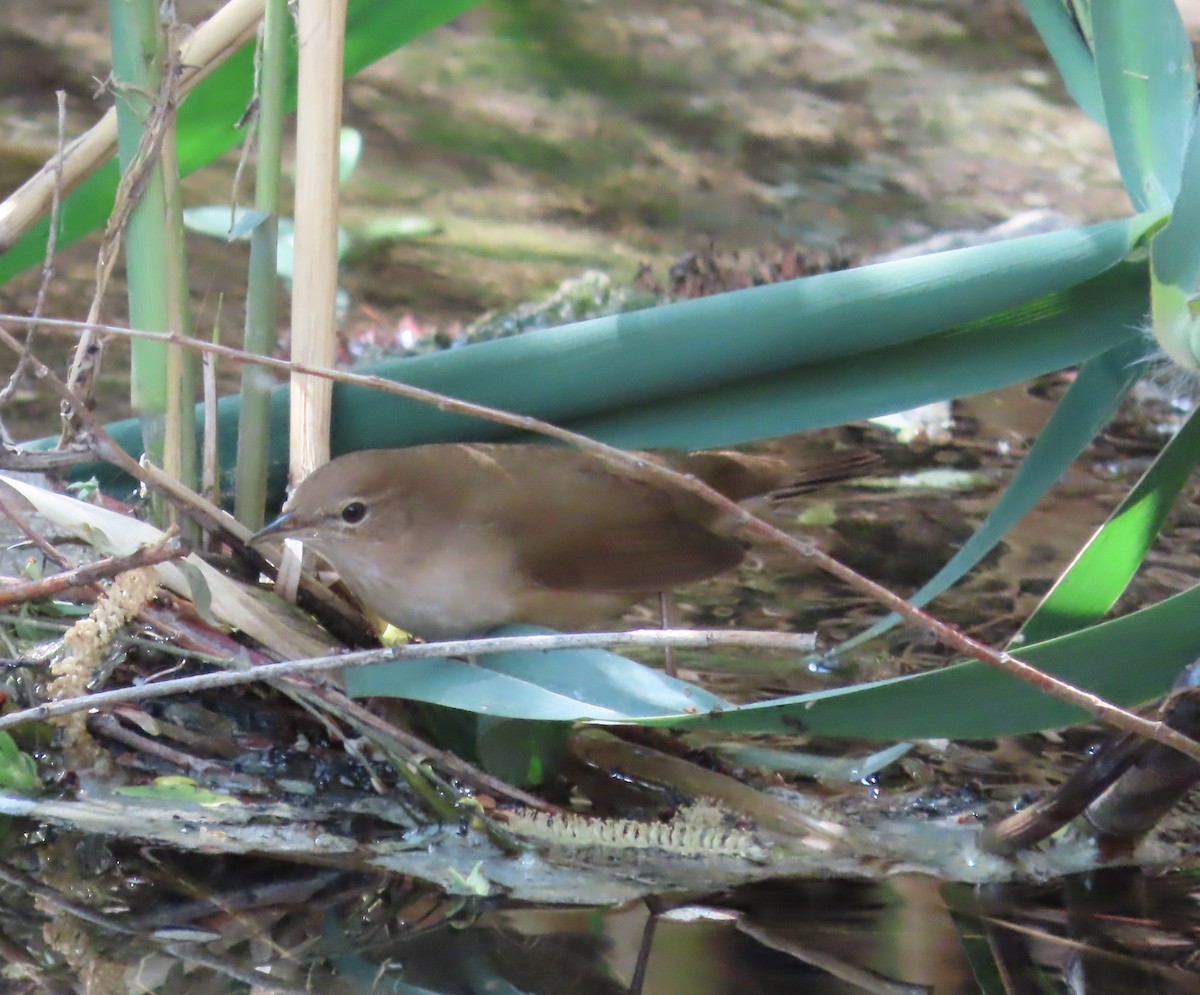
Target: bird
(451, 540)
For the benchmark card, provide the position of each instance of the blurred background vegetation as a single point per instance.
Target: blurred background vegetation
(540, 139)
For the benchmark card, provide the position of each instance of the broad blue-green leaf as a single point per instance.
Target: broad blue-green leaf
(1175, 250)
(770, 360)
(563, 685)
(1175, 268)
(468, 686)
(1127, 660)
(1049, 334)
(1148, 80)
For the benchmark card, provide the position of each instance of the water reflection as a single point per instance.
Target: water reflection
(1107, 933)
(820, 937)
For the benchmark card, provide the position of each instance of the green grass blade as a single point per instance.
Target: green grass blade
(1102, 570)
(1127, 660)
(1147, 76)
(260, 336)
(1082, 412)
(138, 55)
(1070, 52)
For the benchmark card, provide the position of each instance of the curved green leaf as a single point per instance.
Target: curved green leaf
(1147, 77)
(1127, 660)
(1070, 52)
(472, 688)
(1048, 334)
(1081, 413)
(564, 685)
(769, 360)
(1102, 570)
(1175, 267)
(1175, 250)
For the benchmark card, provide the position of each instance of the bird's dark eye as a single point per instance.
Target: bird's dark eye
(354, 513)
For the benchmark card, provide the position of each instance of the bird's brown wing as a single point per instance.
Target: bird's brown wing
(740, 476)
(633, 559)
(596, 531)
(736, 475)
(829, 468)
(586, 526)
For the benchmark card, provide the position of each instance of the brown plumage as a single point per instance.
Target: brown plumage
(452, 540)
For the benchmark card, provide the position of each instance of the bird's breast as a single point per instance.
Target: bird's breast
(436, 590)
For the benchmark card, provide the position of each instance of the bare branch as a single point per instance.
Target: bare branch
(27, 461)
(683, 638)
(170, 548)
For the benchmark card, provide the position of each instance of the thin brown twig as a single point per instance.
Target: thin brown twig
(283, 891)
(826, 961)
(57, 900)
(382, 730)
(486, 646)
(103, 445)
(257, 980)
(378, 729)
(210, 468)
(204, 49)
(89, 351)
(217, 521)
(54, 898)
(736, 518)
(170, 548)
(211, 518)
(8, 499)
(39, 304)
(108, 725)
(23, 965)
(60, 150)
(218, 646)
(24, 461)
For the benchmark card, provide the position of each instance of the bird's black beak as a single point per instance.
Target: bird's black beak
(280, 528)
